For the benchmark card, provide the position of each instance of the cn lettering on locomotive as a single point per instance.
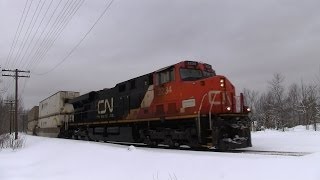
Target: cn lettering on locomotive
(104, 105)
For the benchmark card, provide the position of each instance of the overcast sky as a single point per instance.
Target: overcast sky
(246, 40)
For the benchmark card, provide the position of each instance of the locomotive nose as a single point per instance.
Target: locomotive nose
(221, 95)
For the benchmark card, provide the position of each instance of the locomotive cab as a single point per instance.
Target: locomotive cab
(195, 87)
(192, 90)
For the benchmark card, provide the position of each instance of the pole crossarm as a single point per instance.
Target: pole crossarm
(14, 75)
(15, 70)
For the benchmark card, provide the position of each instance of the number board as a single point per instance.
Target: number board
(191, 63)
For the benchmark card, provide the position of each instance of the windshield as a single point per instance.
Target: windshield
(190, 74)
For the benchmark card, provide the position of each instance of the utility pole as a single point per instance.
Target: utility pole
(10, 102)
(16, 76)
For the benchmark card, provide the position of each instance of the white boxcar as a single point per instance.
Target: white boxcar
(54, 112)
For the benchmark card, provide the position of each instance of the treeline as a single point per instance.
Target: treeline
(281, 106)
(3, 116)
(6, 113)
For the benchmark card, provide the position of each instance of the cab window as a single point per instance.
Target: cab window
(190, 74)
(165, 76)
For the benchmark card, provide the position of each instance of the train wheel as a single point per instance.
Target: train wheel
(169, 141)
(75, 137)
(148, 141)
(176, 145)
(87, 138)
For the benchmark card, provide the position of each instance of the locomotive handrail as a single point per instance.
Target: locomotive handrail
(200, 107)
(210, 112)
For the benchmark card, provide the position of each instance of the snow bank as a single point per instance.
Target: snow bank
(49, 158)
(297, 139)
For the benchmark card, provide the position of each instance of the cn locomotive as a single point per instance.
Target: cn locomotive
(183, 104)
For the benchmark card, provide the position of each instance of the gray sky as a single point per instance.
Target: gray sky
(246, 40)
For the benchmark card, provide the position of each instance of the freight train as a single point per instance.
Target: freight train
(183, 104)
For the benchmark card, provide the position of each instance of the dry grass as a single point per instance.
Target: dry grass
(8, 141)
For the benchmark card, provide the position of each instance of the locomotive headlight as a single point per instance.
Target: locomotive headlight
(222, 82)
(248, 110)
(228, 108)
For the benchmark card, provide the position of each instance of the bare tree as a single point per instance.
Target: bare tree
(278, 105)
(251, 98)
(2, 110)
(293, 99)
(263, 111)
(4, 114)
(308, 105)
(317, 117)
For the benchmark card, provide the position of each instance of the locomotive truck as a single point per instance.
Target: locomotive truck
(183, 104)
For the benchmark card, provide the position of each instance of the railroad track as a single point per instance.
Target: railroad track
(240, 151)
(273, 153)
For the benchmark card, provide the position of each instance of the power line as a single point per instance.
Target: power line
(24, 87)
(30, 32)
(24, 20)
(15, 36)
(59, 20)
(26, 34)
(56, 34)
(78, 44)
(42, 32)
(54, 27)
(45, 14)
(48, 34)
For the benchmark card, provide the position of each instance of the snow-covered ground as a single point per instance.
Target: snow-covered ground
(49, 158)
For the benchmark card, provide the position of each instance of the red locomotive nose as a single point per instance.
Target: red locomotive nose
(221, 96)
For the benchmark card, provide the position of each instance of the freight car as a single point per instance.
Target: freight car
(53, 112)
(182, 104)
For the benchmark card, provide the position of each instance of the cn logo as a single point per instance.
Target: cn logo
(104, 105)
